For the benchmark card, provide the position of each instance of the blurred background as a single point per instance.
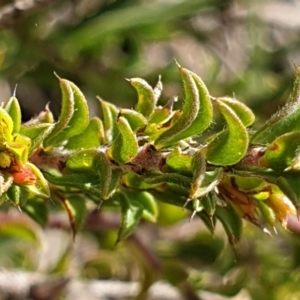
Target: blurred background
(243, 48)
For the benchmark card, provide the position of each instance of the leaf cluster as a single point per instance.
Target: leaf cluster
(132, 158)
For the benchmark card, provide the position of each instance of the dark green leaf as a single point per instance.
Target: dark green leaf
(131, 214)
(150, 209)
(37, 209)
(198, 168)
(209, 203)
(154, 177)
(231, 222)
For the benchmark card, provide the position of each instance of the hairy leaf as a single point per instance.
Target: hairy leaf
(76, 113)
(125, 147)
(135, 119)
(37, 133)
(146, 97)
(93, 161)
(210, 181)
(283, 153)
(92, 136)
(40, 185)
(154, 177)
(198, 168)
(6, 126)
(12, 106)
(230, 146)
(110, 115)
(190, 110)
(204, 116)
(244, 113)
(179, 162)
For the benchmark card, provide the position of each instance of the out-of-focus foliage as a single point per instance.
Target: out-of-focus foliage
(237, 47)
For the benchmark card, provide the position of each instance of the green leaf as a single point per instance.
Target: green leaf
(190, 110)
(179, 162)
(110, 115)
(89, 183)
(198, 168)
(231, 222)
(125, 147)
(283, 153)
(116, 177)
(267, 212)
(249, 184)
(230, 146)
(20, 228)
(92, 136)
(135, 119)
(74, 116)
(37, 133)
(154, 177)
(150, 209)
(93, 161)
(40, 185)
(37, 209)
(285, 120)
(131, 212)
(209, 222)
(6, 126)
(243, 112)
(76, 210)
(204, 116)
(14, 195)
(289, 185)
(12, 106)
(19, 147)
(210, 181)
(146, 97)
(133, 180)
(209, 203)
